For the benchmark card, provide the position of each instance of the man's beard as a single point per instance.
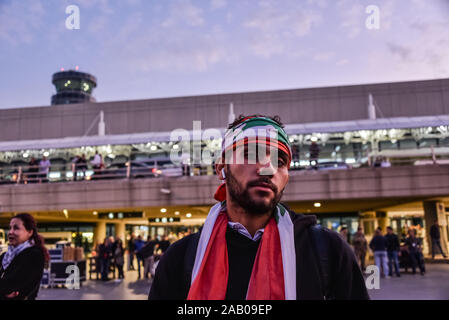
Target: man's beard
(241, 196)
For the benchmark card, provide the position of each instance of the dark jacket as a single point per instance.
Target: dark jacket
(378, 243)
(435, 232)
(392, 242)
(172, 281)
(413, 244)
(23, 274)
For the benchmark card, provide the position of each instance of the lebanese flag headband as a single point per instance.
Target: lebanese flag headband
(254, 130)
(257, 130)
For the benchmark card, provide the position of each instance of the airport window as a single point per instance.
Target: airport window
(408, 144)
(427, 143)
(444, 142)
(388, 145)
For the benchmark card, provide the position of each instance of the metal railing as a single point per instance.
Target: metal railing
(27, 174)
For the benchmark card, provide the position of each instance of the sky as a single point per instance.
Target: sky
(142, 49)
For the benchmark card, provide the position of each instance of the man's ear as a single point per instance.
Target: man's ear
(218, 170)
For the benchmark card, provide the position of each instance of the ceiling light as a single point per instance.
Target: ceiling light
(188, 215)
(176, 213)
(95, 213)
(317, 204)
(163, 210)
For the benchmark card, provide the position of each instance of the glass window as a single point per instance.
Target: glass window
(388, 145)
(444, 142)
(408, 144)
(427, 143)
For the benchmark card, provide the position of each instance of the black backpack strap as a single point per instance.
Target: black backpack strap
(189, 259)
(322, 246)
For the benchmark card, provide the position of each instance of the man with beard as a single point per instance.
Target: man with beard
(251, 246)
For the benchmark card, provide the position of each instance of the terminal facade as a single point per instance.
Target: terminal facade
(369, 155)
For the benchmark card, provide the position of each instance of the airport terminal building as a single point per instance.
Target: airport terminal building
(370, 155)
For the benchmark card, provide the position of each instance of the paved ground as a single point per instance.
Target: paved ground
(434, 285)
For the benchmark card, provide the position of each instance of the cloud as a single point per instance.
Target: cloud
(275, 26)
(183, 12)
(19, 20)
(323, 56)
(218, 4)
(342, 62)
(352, 18)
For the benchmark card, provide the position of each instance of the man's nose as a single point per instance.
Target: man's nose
(266, 166)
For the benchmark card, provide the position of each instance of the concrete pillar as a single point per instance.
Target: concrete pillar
(382, 220)
(434, 210)
(120, 231)
(100, 232)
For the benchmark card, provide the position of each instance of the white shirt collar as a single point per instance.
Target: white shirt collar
(242, 230)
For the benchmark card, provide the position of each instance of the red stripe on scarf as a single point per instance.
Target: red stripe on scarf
(267, 277)
(212, 279)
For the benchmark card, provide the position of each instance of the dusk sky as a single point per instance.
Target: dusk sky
(142, 49)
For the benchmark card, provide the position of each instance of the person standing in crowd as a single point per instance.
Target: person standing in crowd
(119, 259)
(164, 244)
(147, 254)
(360, 247)
(81, 165)
(393, 250)
(33, 169)
(314, 154)
(97, 163)
(415, 252)
(131, 252)
(379, 246)
(344, 233)
(139, 243)
(22, 266)
(252, 246)
(44, 169)
(105, 253)
(435, 237)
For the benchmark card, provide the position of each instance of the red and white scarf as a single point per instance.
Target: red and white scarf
(274, 271)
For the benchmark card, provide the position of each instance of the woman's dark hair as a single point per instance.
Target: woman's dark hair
(30, 225)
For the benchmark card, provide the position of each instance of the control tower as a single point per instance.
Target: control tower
(73, 87)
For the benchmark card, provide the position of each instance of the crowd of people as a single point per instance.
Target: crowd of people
(110, 255)
(388, 253)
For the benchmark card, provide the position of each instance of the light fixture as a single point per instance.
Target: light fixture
(314, 139)
(95, 213)
(157, 220)
(317, 204)
(46, 154)
(176, 147)
(111, 215)
(153, 148)
(170, 219)
(164, 220)
(165, 190)
(176, 213)
(26, 155)
(188, 215)
(163, 210)
(66, 213)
